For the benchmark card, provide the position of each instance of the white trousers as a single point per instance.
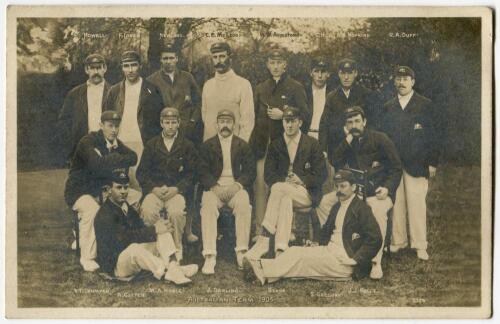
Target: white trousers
(410, 200)
(153, 256)
(261, 191)
(175, 206)
(242, 210)
(279, 212)
(379, 207)
(318, 262)
(87, 206)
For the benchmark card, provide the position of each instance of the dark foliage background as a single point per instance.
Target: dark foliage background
(444, 52)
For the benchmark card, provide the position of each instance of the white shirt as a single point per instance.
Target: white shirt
(319, 98)
(226, 177)
(129, 128)
(346, 93)
(110, 145)
(94, 105)
(404, 100)
(171, 75)
(336, 238)
(169, 142)
(292, 144)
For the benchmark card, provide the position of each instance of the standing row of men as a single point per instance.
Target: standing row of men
(266, 139)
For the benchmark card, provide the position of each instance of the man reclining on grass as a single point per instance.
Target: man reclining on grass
(125, 246)
(349, 240)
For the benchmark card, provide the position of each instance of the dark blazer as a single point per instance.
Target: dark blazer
(183, 94)
(363, 247)
(160, 167)
(310, 104)
(376, 154)
(286, 92)
(211, 163)
(92, 164)
(73, 120)
(332, 121)
(148, 112)
(309, 165)
(115, 231)
(413, 131)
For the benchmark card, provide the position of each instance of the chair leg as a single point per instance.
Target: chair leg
(314, 226)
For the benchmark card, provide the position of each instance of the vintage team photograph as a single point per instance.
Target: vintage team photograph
(249, 162)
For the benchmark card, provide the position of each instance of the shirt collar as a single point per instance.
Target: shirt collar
(225, 139)
(224, 76)
(314, 88)
(295, 139)
(110, 145)
(90, 84)
(168, 139)
(346, 92)
(137, 84)
(348, 201)
(406, 97)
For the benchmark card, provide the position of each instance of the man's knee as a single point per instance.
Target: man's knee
(279, 187)
(134, 197)
(177, 202)
(241, 199)
(209, 201)
(87, 207)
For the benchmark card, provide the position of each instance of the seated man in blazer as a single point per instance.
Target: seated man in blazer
(295, 170)
(349, 240)
(166, 174)
(227, 172)
(125, 246)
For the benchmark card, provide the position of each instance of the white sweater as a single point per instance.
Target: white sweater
(228, 91)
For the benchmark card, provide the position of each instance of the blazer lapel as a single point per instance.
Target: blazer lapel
(283, 150)
(234, 155)
(121, 98)
(104, 95)
(85, 104)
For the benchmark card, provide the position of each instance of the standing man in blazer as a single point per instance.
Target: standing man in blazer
(349, 240)
(227, 173)
(166, 173)
(317, 91)
(180, 90)
(348, 94)
(139, 102)
(83, 106)
(413, 124)
(271, 97)
(295, 170)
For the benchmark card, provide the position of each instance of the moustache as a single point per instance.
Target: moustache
(225, 129)
(339, 194)
(220, 65)
(355, 131)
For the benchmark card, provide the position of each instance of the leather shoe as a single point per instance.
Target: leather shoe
(189, 270)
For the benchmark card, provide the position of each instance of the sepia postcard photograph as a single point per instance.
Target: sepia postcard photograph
(249, 162)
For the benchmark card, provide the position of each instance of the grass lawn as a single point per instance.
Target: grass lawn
(49, 274)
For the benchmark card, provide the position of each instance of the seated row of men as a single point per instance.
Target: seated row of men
(295, 170)
(125, 245)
